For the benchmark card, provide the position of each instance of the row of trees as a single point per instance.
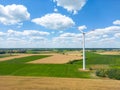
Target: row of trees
(12, 51)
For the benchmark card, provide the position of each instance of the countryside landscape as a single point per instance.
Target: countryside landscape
(59, 44)
(47, 69)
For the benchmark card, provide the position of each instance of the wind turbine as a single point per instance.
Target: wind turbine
(83, 33)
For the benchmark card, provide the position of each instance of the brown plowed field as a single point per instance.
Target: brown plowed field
(110, 53)
(42, 83)
(58, 59)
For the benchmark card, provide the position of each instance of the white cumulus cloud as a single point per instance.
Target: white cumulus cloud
(23, 34)
(68, 35)
(71, 5)
(55, 21)
(104, 31)
(81, 28)
(117, 22)
(2, 34)
(36, 39)
(13, 14)
(117, 35)
(34, 33)
(13, 38)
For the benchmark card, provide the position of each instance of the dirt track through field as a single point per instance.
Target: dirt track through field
(16, 56)
(58, 59)
(42, 83)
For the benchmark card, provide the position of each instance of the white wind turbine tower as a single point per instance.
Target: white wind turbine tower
(81, 28)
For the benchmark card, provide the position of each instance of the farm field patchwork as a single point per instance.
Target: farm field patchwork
(18, 74)
(20, 67)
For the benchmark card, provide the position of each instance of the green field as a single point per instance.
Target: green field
(97, 59)
(19, 67)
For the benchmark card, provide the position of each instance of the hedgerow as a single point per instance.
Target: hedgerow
(110, 73)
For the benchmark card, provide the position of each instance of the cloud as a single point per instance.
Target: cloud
(55, 10)
(117, 35)
(13, 39)
(68, 35)
(26, 33)
(101, 37)
(13, 33)
(13, 14)
(104, 31)
(36, 39)
(103, 34)
(71, 5)
(81, 28)
(117, 22)
(2, 34)
(26, 38)
(68, 38)
(107, 39)
(35, 33)
(55, 21)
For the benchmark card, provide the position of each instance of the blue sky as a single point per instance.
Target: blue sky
(57, 23)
